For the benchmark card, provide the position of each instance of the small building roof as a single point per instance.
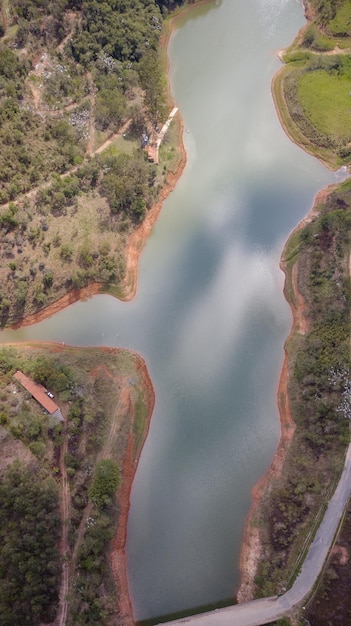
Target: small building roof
(152, 153)
(38, 392)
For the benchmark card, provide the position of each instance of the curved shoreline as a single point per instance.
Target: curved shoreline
(118, 559)
(117, 556)
(279, 100)
(276, 87)
(128, 288)
(139, 237)
(252, 549)
(135, 245)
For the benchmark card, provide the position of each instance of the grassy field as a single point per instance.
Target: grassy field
(341, 23)
(294, 124)
(312, 92)
(326, 101)
(312, 96)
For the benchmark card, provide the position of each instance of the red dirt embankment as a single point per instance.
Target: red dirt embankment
(69, 298)
(117, 554)
(252, 548)
(135, 246)
(128, 288)
(141, 234)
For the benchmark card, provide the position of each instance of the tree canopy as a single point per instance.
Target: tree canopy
(29, 559)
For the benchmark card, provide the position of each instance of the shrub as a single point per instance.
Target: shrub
(105, 483)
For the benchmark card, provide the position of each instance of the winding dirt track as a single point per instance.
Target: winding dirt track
(122, 409)
(65, 515)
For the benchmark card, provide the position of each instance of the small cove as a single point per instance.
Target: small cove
(209, 316)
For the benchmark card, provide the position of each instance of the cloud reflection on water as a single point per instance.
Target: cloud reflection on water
(215, 319)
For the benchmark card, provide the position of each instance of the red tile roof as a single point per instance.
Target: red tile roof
(38, 392)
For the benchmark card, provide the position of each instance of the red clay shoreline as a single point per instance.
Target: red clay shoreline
(129, 287)
(128, 470)
(251, 549)
(136, 244)
(118, 553)
(140, 236)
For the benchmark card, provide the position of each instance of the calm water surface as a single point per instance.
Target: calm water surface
(209, 316)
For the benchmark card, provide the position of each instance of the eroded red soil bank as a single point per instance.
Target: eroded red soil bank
(252, 547)
(130, 463)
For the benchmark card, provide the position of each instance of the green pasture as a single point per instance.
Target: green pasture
(326, 101)
(123, 145)
(341, 23)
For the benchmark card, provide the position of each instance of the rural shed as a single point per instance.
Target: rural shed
(40, 394)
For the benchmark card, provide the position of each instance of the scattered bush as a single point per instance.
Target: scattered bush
(105, 483)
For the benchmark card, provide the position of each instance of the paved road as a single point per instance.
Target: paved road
(269, 609)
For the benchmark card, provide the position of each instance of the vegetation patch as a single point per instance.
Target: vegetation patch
(326, 101)
(82, 92)
(340, 24)
(29, 534)
(319, 392)
(333, 16)
(316, 107)
(42, 525)
(312, 92)
(331, 601)
(105, 483)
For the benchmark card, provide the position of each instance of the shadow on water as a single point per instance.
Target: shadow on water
(196, 11)
(203, 608)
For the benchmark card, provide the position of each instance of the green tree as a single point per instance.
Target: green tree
(105, 483)
(29, 559)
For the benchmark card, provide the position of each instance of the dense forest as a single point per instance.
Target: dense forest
(117, 42)
(29, 559)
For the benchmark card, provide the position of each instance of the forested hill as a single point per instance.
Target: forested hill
(76, 77)
(120, 33)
